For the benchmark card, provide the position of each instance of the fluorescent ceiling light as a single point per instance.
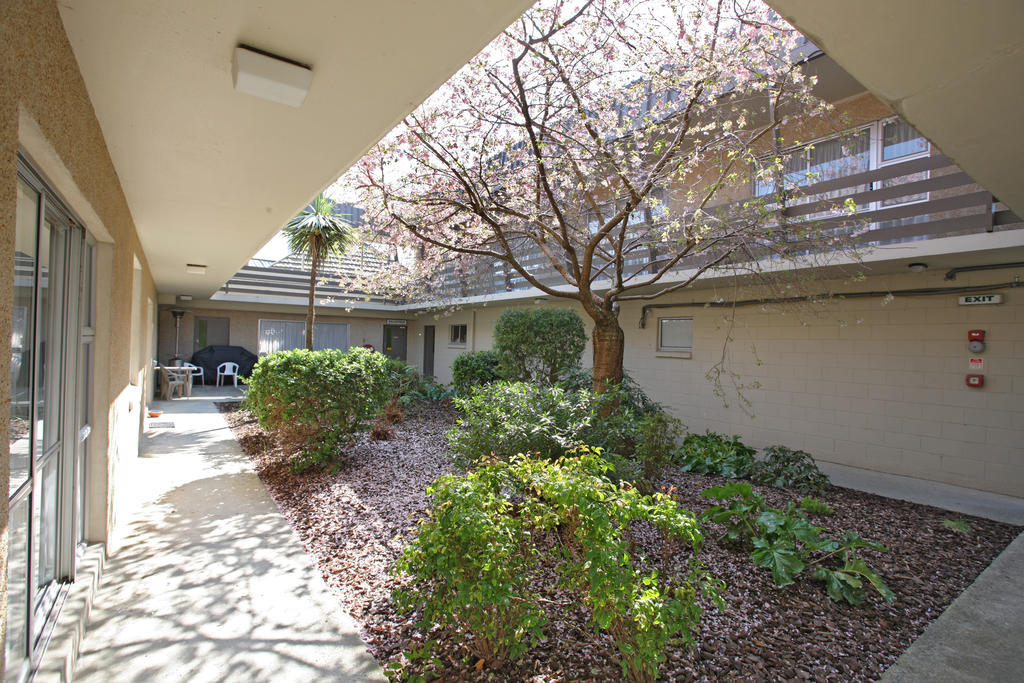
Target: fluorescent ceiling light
(271, 77)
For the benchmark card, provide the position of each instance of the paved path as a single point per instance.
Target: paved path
(980, 637)
(210, 583)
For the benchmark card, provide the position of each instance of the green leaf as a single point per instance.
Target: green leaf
(961, 526)
(779, 556)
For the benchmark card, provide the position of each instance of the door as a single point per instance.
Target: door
(394, 341)
(428, 351)
(210, 332)
(51, 387)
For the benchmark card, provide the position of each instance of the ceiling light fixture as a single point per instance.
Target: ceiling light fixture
(918, 267)
(266, 75)
(195, 269)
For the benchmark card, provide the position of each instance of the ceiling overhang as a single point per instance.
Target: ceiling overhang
(211, 174)
(954, 70)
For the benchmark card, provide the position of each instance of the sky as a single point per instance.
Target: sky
(277, 247)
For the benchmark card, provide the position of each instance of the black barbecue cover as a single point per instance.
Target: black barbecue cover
(212, 356)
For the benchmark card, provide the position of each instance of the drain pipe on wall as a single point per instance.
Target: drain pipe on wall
(929, 291)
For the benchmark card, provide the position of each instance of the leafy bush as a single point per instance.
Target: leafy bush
(312, 402)
(629, 393)
(816, 507)
(476, 554)
(712, 453)
(506, 418)
(536, 344)
(471, 564)
(787, 544)
(657, 440)
(785, 468)
(404, 377)
(426, 389)
(474, 369)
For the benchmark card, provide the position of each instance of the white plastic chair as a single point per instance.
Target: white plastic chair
(227, 369)
(174, 381)
(197, 372)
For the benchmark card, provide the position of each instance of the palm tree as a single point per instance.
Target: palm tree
(317, 232)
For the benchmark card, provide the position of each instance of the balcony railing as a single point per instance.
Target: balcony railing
(924, 198)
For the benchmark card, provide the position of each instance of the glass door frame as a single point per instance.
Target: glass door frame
(59, 395)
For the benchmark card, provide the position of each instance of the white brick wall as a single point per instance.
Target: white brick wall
(859, 382)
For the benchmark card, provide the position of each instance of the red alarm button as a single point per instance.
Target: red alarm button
(976, 335)
(975, 380)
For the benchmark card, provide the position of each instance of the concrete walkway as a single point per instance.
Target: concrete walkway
(956, 498)
(980, 637)
(209, 582)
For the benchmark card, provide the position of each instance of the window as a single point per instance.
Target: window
(900, 140)
(901, 143)
(675, 335)
(283, 335)
(824, 160)
(457, 335)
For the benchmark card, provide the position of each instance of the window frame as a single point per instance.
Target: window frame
(456, 340)
(673, 351)
(263, 323)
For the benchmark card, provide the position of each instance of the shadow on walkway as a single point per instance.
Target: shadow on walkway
(210, 583)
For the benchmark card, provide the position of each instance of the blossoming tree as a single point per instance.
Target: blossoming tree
(591, 150)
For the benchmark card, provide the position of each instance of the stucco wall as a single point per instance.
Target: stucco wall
(864, 382)
(45, 108)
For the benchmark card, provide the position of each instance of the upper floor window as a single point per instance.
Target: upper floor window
(823, 160)
(900, 140)
(870, 147)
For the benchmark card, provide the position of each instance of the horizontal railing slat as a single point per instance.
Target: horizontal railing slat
(932, 206)
(883, 173)
(942, 182)
(977, 222)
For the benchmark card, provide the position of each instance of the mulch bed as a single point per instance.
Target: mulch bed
(356, 521)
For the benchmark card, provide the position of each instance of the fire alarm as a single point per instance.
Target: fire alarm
(976, 335)
(975, 380)
(975, 346)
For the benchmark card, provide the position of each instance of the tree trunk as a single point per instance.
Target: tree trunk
(311, 309)
(609, 343)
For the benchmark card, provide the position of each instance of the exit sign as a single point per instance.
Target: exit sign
(974, 299)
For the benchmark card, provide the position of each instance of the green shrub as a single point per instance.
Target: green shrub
(312, 402)
(535, 344)
(657, 440)
(471, 564)
(785, 468)
(473, 561)
(630, 394)
(712, 453)
(426, 389)
(784, 542)
(474, 369)
(506, 418)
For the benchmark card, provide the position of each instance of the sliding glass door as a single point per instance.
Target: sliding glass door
(51, 378)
